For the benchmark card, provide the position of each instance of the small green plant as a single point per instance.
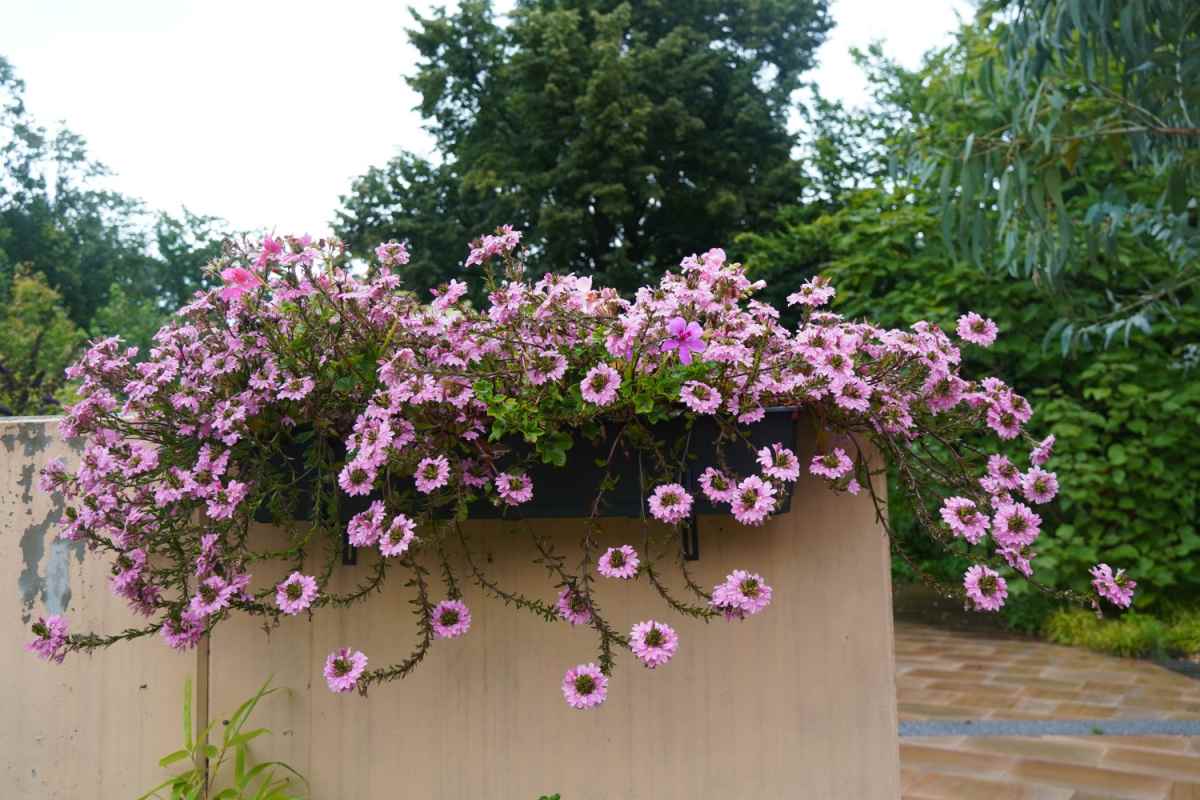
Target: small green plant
(258, 782)
(554, 796)
(1175, 633)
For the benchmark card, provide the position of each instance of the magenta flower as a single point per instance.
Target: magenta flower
(184, 632)
(976, 329)
(600, 385)
(985, 588)
(365, 527)
(815, 293)
(514, 489)
(1038, 485)
(1019, 558)
(432, 474)
(654, 643)
(296, 593)
(399, 536)
(1041, 453)
(753, 501)
(573, 607)
(1015, 525)
(356, 478)
(343, 669)
(238, 281)
(670, 503)
(618, 562)
(212, 595)
(450, 619)
(1116, 588)
(584, 686)
(742, 594)
(685, 337)
(780, 463)
(832, 465)
(965, 519)
(391, 254)
(700, 397)
(51, 641)
(717, 486)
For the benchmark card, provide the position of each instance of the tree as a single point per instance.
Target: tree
(1055, 88)
(38, 341)
(619, 136)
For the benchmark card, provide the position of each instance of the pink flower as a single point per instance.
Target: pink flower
(654, 643)
(584, 686)
(51, 641)
(815, 292)
(392, 254)
(717, 486)
(343, 669)
(513, 488)
(1041, 453)
(780, 463)
(505, 240)
(432, 474)
(600, 385)
(1117, 589)
(183, 633)
(700, 397)
(212, 595)
(450, 619)
(573, 607)
(399, 536)
(1038, 485)
(670, 503)
(832, 465)
(965, 519)
(238, 281)
(365, 527)
(1018, 558)
(742, 594)
(753, 501)
(356, 478)
(985, 588)
(976, 329)
(618, 562)
(685, 337)
(1015, 525)
(296, 593)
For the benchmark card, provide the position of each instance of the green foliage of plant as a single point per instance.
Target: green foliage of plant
(1175, 634)
(37, 342)
(204, 780)
(619, 135)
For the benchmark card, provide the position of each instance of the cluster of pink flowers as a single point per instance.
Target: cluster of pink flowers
(409, 408)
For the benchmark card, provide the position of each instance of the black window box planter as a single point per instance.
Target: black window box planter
(570, 491)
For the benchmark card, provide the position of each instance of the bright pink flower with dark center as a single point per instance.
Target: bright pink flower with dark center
(296, 593)
(977, 330)
(584, 686)
(985, 588)
(685, 338)
(573, 607)
(450, 619)
(1116, 588)
(743, 594)
(51, 641)
(654, 643)
(618, 562)
(670, 503)
(343, 668)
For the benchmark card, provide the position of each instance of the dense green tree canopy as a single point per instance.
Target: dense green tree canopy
(621, 136)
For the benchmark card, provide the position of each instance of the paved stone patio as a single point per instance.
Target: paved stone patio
(946, 675)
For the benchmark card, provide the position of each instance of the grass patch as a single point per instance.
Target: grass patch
(1175, 634)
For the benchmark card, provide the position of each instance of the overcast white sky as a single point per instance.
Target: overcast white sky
(263, 111)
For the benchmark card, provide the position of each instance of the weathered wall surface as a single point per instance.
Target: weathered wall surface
(796, 702)
(92, 727)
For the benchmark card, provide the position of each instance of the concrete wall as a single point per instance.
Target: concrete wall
(796, 702)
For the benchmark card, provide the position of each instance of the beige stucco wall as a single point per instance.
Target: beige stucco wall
(796, 702)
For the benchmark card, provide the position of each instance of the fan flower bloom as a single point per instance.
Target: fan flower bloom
(985, 588)
(398, 537)
(356, 479)
(1015, 525)
(365, 527)
(814, 292)
(51, 638)
(573, 607)
(343, 668)
(780, 463)
(717, 486)
(654, 643)
(238, 281)
(600, 385)
(450, 619)
(432, 474)
(685, 338)
(977, 330)
(1041, 453)
(391, 254)
(670, 503)
(753, 501)
(584, 686)
(700, 397)
(296, 593)
(1039, 486)
(183, 632)
(1116, 588)
(514, 489)
(618, 562)
(965, 519)
(832, 465)
(742, 594)
(212, 595)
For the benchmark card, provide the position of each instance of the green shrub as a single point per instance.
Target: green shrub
(1133, 634)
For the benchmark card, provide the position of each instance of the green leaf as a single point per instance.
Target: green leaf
(1116, 454)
